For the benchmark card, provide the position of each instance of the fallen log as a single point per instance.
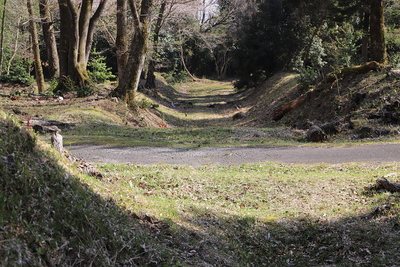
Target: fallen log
(43, 125)
(360, 69)
(45, 129)
(289, 106)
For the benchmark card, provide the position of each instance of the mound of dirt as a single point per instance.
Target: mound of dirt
(364, 99)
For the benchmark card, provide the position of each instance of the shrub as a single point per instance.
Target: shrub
(98, 70)
(174, 76)
(64, 85)
(307, 77)
(86, 90)
(20, 72)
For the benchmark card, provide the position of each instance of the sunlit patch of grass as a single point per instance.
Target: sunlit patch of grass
(252, 189)
(120, 135)
(258, 213)
(90, 115)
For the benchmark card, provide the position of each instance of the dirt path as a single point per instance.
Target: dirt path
(203, 104)
(236, 155)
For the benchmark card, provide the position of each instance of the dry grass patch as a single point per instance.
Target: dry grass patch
(265, 214)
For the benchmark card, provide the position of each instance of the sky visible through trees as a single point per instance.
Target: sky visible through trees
(244, 40)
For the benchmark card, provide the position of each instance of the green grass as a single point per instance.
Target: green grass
(191, 137)
(107, 134)
(50, 217)
(264, 214)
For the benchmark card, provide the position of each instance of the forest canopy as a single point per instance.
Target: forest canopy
(80, 43)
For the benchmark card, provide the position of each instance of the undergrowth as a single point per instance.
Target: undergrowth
(50, 217)
(267, 214)
(163, 215)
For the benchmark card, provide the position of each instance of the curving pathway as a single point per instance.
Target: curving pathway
(236, 155)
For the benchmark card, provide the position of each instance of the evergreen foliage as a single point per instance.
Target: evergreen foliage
(98, 70)
(270, 40)
(20, 72)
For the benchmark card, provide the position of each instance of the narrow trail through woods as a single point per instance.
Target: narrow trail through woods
(207, 105)
(204, 103)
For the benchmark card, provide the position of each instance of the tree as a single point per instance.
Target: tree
(121, 41)
(377, 32)
(77, 25)
(267, 42)
(211, 36)
(217, 28)
(49, 38)
(35, 48)
(371, 13)
(150, 79)
(3, 19)
(129, 83)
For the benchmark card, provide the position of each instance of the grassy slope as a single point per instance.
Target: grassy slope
(331, 102)
(253, 214)
(258, 214)
(51, 217)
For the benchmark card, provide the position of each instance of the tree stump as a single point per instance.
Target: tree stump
(57, 141)
(316, 134)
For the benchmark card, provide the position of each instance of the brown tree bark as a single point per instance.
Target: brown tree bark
(121, 41)
(76, 34)
(35, 48)
(377, 32)
(151, 79)
(92, 26)
(137, 51)
(365, 37)
(3, 19)
(49, 38)
(183, 63)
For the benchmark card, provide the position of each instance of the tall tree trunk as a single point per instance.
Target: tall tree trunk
(365, 37)
(3, 19)
(92, 25)
(151, 78)
(121, 41)
(377, 32)
(182, 56)
(76, 35)
(49, 38)
(138, 48)
(14, 52)
(222, 62)
(66, 36)
(35, 48)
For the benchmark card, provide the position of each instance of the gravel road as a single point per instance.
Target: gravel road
(236, 155)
